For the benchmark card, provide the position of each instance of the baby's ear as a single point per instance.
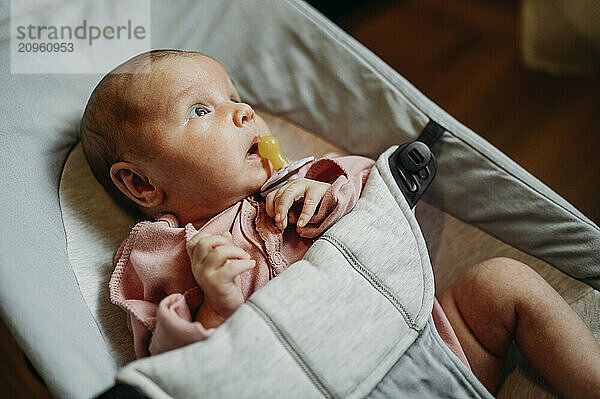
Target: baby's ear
(135, 184)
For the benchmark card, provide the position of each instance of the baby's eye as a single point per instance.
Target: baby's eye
(235, 100)
(197, 111)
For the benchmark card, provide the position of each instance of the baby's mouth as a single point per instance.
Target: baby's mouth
(253, 151)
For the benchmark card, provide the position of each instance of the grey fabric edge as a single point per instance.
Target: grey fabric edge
(134, 377)
(362, 390)
(462, 369)
(383, 168)
(448, 377)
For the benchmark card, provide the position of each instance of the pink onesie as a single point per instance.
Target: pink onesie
(153, 281)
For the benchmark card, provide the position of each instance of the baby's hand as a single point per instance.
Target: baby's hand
(216, 266)
(279, 202)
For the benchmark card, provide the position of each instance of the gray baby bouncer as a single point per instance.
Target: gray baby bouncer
(353, 319)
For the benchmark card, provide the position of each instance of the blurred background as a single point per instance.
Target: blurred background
(524, 74)
(521, 73)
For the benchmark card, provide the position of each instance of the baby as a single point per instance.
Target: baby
(167, 134)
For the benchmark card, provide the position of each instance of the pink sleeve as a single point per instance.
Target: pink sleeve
(174, 326)
(153, 283)
(347, 176)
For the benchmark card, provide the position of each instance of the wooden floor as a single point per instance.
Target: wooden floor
(464, 55)
(16, 380)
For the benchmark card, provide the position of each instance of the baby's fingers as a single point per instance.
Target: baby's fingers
(270, 203)
(222, 254)
(199, 246)
(311, 200)
(193, 242)
(233, 268)
(285, 201)
(227, 235)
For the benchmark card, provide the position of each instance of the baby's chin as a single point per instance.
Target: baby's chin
(264, 171)
(260, 175)
(268, 172)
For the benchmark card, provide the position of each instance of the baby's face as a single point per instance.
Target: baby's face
(201, 139)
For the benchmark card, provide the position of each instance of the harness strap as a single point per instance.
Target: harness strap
(431, 133)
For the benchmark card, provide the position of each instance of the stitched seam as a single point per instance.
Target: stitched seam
(385, 174)
(370, 277)
(60, 202)
(290, 346)
(246, 227)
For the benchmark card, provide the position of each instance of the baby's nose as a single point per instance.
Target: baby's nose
(242, 114)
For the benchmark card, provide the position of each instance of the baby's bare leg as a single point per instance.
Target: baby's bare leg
(501, 299)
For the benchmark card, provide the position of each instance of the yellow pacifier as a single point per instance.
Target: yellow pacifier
(269, 148)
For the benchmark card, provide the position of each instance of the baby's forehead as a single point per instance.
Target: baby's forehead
(183, 71)
(182, 82)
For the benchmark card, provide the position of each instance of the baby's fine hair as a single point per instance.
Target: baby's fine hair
(111, 117)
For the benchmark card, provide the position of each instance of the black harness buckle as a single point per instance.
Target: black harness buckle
(413, 164)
